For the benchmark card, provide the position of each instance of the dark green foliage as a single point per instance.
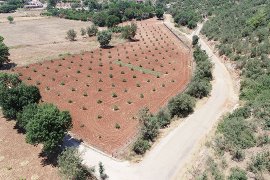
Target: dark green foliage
(199, 89)
(105, 13)
(11, 5)
(73, 14)
(195, 40)
(112, 21)
(181, 105)
(99, 18)
(141, 146)
(14, 99)
(237, 174)
(48, 126)
(159, 13)
(26, 115)
(70, 165)
(9, 80)
(4, 52)
(104, 38)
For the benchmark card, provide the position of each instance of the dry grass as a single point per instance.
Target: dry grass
(33, 38)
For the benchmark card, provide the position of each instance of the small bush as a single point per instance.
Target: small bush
(141, 146)
(71, 35)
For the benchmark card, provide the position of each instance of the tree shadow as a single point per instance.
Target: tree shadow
(19, 129)
(51, 159)
(134, 40)
(107, 47)
(8, 66)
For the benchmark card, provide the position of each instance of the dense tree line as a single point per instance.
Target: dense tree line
(241, 30)
(11, 6)
(108, 13)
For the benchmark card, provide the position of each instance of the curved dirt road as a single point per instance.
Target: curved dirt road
(176, 149)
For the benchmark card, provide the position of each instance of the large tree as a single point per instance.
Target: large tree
(13, 99)
(48, 126)
(129, 31)
(4, 52)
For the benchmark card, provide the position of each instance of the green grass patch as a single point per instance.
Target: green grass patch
(138, 68)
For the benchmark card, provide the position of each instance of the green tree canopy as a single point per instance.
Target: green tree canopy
(4, 52)
(48, 126)
(104, 38)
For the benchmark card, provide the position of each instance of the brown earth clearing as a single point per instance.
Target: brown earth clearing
(32, 38)
(19, 160)
(104, 89)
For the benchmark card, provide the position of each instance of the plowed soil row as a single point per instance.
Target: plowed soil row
(104, 89)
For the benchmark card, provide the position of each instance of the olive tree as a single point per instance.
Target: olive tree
(92, 31)
(129, 31)
(71, 35)
(104, 38)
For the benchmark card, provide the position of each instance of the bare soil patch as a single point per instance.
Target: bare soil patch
(105, 88)
(19, 160)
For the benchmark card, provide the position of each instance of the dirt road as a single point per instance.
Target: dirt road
(176, 149)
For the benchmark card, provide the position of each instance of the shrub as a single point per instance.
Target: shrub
(71, 35)
(70, 165)
(92, 31)
(181, 105)
(48, 126)
(237, 132)
(83, 32)
(237, 174)
(199, 88)
(10, 19)
(195, 40)
(129, 31)
(150, 128)
(163, 118)
(260, 162)
(141, 146)
(104, 38)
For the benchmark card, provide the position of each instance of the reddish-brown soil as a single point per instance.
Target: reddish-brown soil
(19, 160)
(77, 83)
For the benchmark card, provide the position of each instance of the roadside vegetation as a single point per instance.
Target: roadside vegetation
(240, 30)
(179, 106)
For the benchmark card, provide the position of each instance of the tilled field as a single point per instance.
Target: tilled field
(104, 89)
